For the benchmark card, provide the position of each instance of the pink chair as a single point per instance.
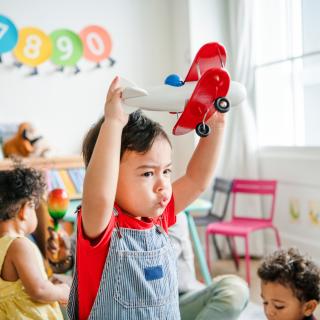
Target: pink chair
(242, 226)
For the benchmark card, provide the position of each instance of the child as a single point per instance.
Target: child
(125, 266)
(25, 291)
(290, 286)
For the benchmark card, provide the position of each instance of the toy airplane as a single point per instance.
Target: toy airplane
(206, 89)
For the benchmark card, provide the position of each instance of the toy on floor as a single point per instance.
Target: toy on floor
(206, 89)
(26, 143)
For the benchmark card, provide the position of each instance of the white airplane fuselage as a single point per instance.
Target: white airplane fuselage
(173, 99)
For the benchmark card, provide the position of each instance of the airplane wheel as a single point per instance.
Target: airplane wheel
(222, 105)
(202, 130)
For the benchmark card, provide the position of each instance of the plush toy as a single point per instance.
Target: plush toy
(26, 143)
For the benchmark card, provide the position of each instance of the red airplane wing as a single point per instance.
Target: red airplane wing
(211, 55)
(212, 85)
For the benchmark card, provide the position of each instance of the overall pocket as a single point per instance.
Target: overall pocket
(146, 279)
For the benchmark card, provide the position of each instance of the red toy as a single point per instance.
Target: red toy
(209, 93)
(195, 99)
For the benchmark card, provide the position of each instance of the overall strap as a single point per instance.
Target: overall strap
(116, 214)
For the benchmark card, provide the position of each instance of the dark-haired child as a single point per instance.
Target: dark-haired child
(290, 285)
(25, 291)
(125, 264)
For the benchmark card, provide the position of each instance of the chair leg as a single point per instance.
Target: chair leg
(232, 247)
(247, 260)
(198, 249)
(276, 232)
(208, 251)
(216, 247)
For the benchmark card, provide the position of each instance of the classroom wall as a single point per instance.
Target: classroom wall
(298, 202)
(62, 105)
(151, 39)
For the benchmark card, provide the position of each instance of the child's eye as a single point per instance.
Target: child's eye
(167, 171)
(148, 174)
(279, 307)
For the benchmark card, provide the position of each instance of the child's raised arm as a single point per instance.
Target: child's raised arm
(24, 260)
(201, 166)
(101, 177)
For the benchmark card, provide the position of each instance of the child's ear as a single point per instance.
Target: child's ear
(22, 214)
(309, 307)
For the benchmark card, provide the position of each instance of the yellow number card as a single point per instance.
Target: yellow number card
(33, 48)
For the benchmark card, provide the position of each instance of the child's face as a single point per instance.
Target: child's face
(144, 185)
(280, 303)
(31, 217)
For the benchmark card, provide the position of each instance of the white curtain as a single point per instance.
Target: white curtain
(239, 154)
(239, 157)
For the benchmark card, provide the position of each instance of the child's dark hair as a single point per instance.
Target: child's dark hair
(138, 135)
(17, 187)
(291, 269)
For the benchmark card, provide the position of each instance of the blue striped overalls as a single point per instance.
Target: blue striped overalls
(139, 279)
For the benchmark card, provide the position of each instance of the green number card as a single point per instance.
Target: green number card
(67, 47)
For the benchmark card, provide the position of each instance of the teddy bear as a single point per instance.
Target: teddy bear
(25, 143)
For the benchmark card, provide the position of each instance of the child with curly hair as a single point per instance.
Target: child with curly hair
(290, 285)
(25, 291)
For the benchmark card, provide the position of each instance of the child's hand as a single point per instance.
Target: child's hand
(217, 120)
(65, 291)
(113, 108)
(58, 246)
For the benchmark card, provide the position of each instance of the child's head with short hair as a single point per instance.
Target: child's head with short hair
(138, 135)
(290, 285)
(20, 192)
(144, 183)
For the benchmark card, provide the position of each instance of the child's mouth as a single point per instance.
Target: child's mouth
(163, 202)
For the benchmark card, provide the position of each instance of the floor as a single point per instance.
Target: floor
(254, 310)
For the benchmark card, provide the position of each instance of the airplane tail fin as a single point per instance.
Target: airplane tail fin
(131, 90)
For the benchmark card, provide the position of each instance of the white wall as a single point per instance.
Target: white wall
(63, 106)
(297, 170)
(151, 39)
(209, 23)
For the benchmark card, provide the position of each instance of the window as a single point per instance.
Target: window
(287, 72)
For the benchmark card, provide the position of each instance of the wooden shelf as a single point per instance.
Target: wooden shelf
(54, 163)
(46, 163)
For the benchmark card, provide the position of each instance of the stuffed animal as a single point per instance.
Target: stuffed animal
(25, 143)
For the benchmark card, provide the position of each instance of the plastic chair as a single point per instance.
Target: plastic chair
(220, 186)
(241, 226)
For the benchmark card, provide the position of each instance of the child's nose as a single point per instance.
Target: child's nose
(161, 184)
(270, 311)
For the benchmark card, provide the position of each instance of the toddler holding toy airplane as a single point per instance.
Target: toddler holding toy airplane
(125, 266)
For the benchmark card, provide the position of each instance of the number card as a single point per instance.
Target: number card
(8, 34)
(97, 43)
(67, 47)
(33, 48)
